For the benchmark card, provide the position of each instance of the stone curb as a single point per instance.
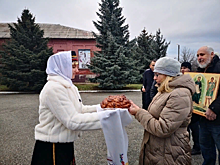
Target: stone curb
(83, 91)
(109, 91)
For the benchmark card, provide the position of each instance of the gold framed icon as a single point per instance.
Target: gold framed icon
(207, 85)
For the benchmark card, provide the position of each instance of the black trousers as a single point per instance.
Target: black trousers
(145, 100)
(46, 153)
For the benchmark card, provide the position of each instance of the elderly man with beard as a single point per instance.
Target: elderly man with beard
(210, 125)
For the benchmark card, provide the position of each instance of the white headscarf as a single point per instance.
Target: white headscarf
(60, 64)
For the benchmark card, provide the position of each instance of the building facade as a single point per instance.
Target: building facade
(62, 38)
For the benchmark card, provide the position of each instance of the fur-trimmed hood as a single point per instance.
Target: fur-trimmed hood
(184, 81)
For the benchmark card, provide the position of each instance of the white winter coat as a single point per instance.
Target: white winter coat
(62, 116)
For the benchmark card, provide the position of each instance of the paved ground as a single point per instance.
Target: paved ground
(19, 115)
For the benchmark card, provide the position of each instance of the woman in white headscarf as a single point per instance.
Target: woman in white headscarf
(62, 116)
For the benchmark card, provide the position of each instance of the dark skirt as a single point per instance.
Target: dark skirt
(46, 153)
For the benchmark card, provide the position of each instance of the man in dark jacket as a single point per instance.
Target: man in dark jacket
(147, 83)
(210, 125)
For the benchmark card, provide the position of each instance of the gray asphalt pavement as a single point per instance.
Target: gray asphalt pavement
(19, 115)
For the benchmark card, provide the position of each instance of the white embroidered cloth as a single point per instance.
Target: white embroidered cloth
(113, 125)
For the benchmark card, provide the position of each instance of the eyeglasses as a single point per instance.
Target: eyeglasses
(157, 74)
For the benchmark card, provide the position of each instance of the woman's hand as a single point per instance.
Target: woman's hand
(133, 108)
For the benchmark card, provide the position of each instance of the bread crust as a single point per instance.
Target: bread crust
(115, 101)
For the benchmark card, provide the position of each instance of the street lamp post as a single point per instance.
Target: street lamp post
(178, 52)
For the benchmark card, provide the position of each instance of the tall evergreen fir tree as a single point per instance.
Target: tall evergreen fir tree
(145, 51)
(113, 64)
(160, 45)
(25, 55)
(149, 47)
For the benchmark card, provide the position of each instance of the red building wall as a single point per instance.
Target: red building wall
(2, 41)
(75, 45)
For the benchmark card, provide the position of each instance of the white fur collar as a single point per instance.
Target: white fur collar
(60, 80)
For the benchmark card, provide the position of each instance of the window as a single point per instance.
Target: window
(84, 58)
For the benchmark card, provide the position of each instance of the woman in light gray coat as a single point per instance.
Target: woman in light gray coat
(166, 139)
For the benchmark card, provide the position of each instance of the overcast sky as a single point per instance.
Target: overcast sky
(189, 23)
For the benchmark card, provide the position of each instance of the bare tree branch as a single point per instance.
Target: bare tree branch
(188, 55)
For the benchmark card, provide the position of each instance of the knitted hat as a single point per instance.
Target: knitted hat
(167, 66)
(186, 64)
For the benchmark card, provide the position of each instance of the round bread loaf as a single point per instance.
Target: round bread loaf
(116, 101)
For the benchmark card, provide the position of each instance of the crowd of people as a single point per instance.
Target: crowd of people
(166, 115)
(205, 131)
